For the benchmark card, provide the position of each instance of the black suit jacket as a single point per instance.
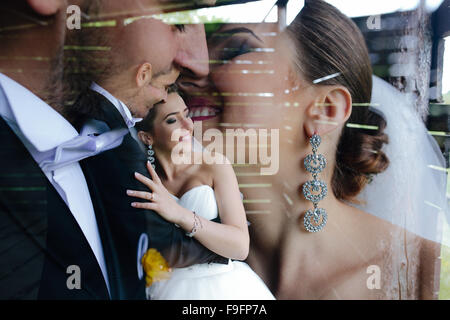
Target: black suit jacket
(39, 237)
(109, 175)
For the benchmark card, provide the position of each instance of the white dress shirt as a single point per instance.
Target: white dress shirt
(124, 111)
(120, 106)
(41, 129)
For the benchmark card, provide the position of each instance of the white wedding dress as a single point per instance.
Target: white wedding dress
(209, 281)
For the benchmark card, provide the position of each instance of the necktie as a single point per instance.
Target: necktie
(81, 147)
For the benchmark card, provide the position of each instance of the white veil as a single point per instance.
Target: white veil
(411, 193)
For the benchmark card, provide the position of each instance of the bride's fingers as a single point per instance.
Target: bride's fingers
(141, 195)
(148, 182)
(145, 205)
(153, 173)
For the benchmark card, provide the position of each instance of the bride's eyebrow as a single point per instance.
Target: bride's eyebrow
(174, 113)
(223, 35)
(170, 114)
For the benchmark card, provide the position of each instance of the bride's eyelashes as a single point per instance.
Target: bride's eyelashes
(173, 119)
(229, 44)
(235, 48)
(180, 27)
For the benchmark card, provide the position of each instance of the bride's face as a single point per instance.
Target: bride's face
(172, 124)
(255, 84)
(250, 76)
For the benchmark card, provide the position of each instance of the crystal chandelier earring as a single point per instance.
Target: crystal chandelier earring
(315, 163)
(151, 154)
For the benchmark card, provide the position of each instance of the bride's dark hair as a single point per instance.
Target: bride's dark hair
(147, 123)
(327, 42)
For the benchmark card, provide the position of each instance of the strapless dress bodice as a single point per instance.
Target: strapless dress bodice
(200, 199)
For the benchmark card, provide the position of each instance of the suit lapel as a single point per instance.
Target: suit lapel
(108, 176)
(64, 231)
(109, 250)
(40, 237)
(92, 105)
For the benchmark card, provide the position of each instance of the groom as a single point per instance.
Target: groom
(56, 241)
(145, 59)
(50, 246)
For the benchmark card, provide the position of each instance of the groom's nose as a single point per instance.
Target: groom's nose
(192, 56)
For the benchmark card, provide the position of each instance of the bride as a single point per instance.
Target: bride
(191, 195)
(315, 80)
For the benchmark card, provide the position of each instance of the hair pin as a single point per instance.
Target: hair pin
(331, 76)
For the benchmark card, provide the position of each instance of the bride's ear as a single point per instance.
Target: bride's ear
(329, 111)
(144, 75)
(145, 137)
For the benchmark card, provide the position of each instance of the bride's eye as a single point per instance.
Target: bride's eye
(235, 48)
(225, 45)
(171, 120)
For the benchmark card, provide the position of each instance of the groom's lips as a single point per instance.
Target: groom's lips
(202, 109)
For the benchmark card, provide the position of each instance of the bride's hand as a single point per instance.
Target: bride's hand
(160, 199)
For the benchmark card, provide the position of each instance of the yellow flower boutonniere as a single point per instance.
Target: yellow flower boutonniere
(155, 266)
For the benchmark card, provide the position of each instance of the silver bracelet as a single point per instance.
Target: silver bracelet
(197, 223)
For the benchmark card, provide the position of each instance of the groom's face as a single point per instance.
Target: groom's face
(139, 38)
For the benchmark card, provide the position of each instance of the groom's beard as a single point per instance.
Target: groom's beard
(81, 67)
(56, 89)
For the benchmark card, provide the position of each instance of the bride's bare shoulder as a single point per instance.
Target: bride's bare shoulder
(369, 223)
(374, 233)
(379, 242)
(377, 230)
